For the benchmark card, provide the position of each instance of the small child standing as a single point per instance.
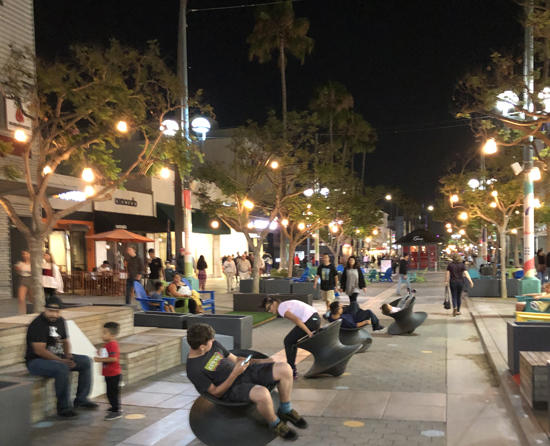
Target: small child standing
(111, 368)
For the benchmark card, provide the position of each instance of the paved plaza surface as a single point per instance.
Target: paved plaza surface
(434, 387)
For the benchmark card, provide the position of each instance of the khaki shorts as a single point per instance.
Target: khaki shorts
(328, 296)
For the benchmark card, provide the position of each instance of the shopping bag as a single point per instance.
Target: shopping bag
(447, 302)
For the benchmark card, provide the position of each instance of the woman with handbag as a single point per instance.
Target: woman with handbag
(454, 279)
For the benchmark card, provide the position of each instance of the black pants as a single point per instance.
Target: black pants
(360, 315)
(129, 290)
(313, 323)
(456, 292)
(191, 305)
(113, 392)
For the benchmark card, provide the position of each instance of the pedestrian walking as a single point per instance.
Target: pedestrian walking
(352, 279)
(134, 269)
(454, 279)
(244, 267)
(230, 270)
(156, 271)
(111, 369)
(201, 267)
(51, 276)
(305, 317)
(541, 265)
(329, 280)
(403, 276)
(23, 270)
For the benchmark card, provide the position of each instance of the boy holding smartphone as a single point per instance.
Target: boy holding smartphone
(212, 369)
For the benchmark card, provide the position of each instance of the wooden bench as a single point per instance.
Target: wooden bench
(533, 378)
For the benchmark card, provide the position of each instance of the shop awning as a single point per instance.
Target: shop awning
(200, 220)
(418, 237)
(107, 221)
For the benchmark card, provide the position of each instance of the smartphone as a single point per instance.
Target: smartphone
(247, 360)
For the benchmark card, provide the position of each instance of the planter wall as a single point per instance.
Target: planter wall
(161, 320)
(276, 286)
(526, 336)
(239, 327)
(15, 412)
(484, 288)
(245, 285)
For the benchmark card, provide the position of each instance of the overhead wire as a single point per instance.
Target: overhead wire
(252, 5)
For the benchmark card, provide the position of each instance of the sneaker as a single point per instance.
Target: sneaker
(458, 312)
(113, 416)
(294, 417)
(90, 405)
(378, 327)
(285, 432)
(67, 413)
(454, 311)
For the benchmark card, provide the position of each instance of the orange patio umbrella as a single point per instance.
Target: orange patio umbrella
(119, 235)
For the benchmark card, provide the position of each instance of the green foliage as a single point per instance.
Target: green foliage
(276, 27)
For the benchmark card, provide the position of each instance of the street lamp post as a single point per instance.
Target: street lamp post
(529, 283)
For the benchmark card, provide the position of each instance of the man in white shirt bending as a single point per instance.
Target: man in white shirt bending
(305, 317)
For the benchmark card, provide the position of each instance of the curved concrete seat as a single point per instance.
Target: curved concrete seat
(330, 356)
(354, 336)
(218, 422)
(406, 321)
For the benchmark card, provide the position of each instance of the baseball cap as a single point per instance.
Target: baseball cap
(54, 303)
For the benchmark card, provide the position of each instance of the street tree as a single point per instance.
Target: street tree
(278, 30)
(495, 203)
(270, 168)
(74, 106)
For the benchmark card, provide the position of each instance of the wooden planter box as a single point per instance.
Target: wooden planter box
(533, 378)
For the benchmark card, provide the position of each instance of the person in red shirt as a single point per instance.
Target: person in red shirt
(110, 357)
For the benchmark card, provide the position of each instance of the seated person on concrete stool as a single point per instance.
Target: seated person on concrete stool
(49, 355)
(211, 368)
(305, 317)
(352, 316)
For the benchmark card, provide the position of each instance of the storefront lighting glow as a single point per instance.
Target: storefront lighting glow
(72, 195)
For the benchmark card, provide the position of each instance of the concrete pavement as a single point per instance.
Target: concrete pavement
(434, 387)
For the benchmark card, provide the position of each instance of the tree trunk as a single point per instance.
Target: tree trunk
(256, 266)
(291, 251)
(36, 249)
(331, 130)
(502, 243)
(363, 170)
(282, 251)
(282, 66)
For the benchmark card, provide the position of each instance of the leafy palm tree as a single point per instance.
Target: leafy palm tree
(277, 29)
(330, 101)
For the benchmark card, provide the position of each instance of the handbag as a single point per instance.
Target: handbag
(447, 302)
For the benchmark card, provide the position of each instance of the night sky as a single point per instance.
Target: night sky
(399, 59)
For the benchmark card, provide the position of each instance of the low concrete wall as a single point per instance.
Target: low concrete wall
(526, 336)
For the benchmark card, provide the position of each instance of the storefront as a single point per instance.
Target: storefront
(422, 246)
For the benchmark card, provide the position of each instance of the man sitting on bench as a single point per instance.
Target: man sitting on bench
(49, 355)
(352, 316)
(211, 368)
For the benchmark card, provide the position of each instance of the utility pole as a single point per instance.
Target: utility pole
(184, 127)
(530, 283)
(484, 227)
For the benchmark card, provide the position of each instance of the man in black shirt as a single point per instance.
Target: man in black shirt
(134, 269)
(403, 277)
(329, 280)
(49, 354)
(211, 368)
(156, 271)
